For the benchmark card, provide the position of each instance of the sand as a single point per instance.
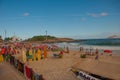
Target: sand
(106, 66)
(8, 72)
(59, 68)
(54, 68)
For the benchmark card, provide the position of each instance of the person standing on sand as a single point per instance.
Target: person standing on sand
(30, 54)
(39, 54)
(24, 55)
(80, 49)
(45, 52)
(96, 52)
(67, 48)
(3, 52)
(1, 56)
(97, 56)
(34, 54)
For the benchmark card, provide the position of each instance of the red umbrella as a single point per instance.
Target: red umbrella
(107, 51)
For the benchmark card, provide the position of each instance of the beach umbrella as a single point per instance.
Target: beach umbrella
(108, 51)
(55, 46)
(45, 45)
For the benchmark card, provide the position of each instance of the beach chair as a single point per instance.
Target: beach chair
(57, 55)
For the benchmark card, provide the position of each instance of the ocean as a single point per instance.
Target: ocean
(101, 44)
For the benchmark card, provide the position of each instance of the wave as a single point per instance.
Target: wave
(76, 46)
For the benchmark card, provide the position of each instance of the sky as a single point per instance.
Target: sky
(78, 19)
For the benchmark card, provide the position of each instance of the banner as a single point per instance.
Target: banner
(20, 67)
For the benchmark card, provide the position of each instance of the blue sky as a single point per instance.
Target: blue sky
(61, 18)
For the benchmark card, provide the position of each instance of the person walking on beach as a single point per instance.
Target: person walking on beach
(96, 53)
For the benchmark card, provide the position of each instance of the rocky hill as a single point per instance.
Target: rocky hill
(114, 36)
(49, 39)
(1, 40)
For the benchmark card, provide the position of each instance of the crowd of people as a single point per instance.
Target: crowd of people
(28, 51)
(34, 52)
(94, 52)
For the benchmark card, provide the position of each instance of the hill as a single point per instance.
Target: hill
(48, 38)
(1, 39)
(114, 36)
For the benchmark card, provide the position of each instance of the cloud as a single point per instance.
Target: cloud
(26, 14)
(103, 14)
(97, 14)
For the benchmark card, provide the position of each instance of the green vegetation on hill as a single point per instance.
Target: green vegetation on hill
(8, 38)
(0, 37)
(41, 38)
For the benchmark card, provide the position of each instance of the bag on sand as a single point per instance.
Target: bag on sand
(1, 58)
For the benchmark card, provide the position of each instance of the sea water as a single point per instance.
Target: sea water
(101, 44)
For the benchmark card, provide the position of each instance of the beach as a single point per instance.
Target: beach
(60, 40)
(59, 68)
(8, 72)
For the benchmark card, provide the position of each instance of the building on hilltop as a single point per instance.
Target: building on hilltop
(15, 38)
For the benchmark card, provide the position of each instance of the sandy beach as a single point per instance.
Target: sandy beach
(59, 68)
(8, 72)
